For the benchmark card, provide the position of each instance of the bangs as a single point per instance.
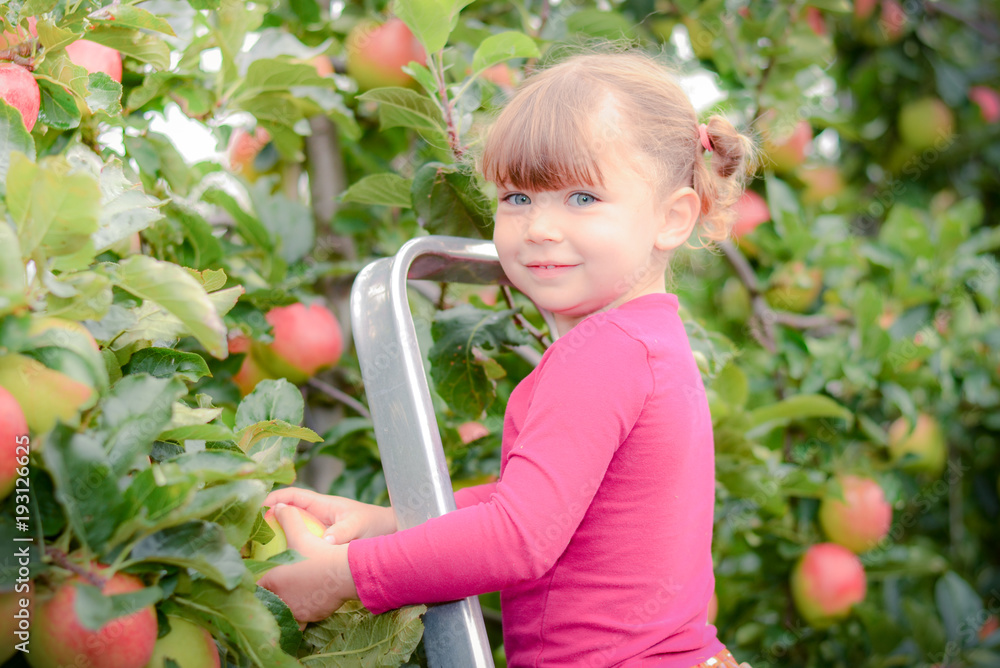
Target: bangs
(545, 138)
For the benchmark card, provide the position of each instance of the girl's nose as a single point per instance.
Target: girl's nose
(542, 227)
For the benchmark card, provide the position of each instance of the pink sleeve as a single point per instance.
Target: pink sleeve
(584, 403)
(470, 496)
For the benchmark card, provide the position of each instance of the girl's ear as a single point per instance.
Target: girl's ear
(680, 214)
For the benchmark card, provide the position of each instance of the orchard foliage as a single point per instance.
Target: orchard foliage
(136, 285)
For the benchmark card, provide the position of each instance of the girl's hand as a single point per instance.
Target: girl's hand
(313, 589)
(347, 519)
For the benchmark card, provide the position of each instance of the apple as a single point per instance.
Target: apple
(44, 394)
(815, 20)
(20, 90)
(988, 101)
(926, 444)
(59, 639)
(472, 431)
(892, 21)
(306, 339)
(924, 122)
(989, 627)
(501, 75)
(10, 39)
(13, 432)
(243, 149)
(250, 373)
(323, 65)
(827, 581)
(786, 149)
(95, 57)
(751, 211)
(278, 544)
(187, 645)
(821, 182)
(864, 8)
(794, 287)
(861, 519)
(377, 53)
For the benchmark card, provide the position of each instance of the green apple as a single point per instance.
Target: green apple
(187, 644)
(794, 287)
(925, 444)
(278, 544)
(925, 122)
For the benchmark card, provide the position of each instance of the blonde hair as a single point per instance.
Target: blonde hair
(546, 136)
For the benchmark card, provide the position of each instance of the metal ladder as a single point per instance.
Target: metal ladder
(399, 399)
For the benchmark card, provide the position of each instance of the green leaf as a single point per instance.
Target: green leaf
(731, 384)
(198, 545)
(139, 45)
(133, 414)
(55, 208)
(87, 296)
(271, 75)
(960, 607)
(84, 485)
(14, 137)
(798, 407)
(12, 274)
(126, 209)
(431, 21)
(241, 619)
(178, 293)
(130, 16)
(388, 189)
(214, 466)
(247, 225)
(271, 400)
(448, 201)
(104, 94)
(198, 432)
(59, 108)
(504, 46)
(291, 636)
(289, 222)
(166, 363)
(604, 24)
(402, 107)
(94, 609)
(352, 637)
(458, 367)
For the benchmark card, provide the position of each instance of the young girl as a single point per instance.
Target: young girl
(598, 533)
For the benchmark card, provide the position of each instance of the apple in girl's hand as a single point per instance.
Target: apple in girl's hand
(861, 519)
(187, 645)
(826, 583)
(278, 544)
(20, 90)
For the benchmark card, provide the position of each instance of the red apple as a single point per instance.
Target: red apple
(187, 645)
(59, 639)
(250, 373)
(988, 101)
(10, 39)
(786, 148)
(20, 90)
(278, 544)
(924, 122)
(892, 21)
(95, 57)
(472, 431)
(926, 444)
(376, 54)
(815, 19)
(13, 432)
(501, 75)
(827, 582)
(861, 519)
(243, 149)
(323, 65)
(864, 8)
(821, 182)
(306, 340)
(751, 211)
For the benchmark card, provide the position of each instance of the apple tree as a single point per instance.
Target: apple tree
(152, 305)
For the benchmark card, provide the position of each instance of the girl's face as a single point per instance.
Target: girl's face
(582, 249)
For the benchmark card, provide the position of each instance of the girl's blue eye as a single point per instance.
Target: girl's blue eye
(583, 199)
(517, 199)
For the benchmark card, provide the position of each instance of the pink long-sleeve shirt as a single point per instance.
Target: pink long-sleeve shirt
(598, 532)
